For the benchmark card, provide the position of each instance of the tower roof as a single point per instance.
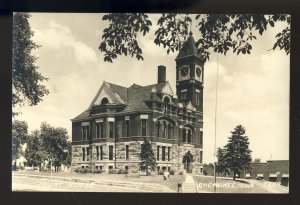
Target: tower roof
(189, 48)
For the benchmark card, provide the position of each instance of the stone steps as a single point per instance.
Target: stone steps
(189, 185)
(189, 188)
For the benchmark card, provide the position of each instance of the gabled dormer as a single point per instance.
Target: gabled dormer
(109, 98)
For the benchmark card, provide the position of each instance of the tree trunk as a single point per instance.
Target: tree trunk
(234, 174)
(147, 171)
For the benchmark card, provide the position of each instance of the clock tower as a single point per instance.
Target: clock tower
(189, 74)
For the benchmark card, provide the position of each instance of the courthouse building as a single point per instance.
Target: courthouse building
(108, 135)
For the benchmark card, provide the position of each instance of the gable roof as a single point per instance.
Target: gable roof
(115, 94)
(189, 48)
(83, 115)
(135, 97)
(166, 89)
(119, 91)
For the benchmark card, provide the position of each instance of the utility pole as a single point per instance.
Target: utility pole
(215, 148)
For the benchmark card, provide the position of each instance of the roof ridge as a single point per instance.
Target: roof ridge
(116, 85)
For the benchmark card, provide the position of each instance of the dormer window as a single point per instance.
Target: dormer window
(166, 102)
(104, 101)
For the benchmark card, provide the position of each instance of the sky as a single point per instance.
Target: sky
(253, 90)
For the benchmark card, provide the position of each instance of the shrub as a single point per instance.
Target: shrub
(205, 172)
(98, 171)
(125, 172)
(78, 170)
(112, 171)
(180, 173)
(160, 172)
(119, 171)
(172, 171)
(83, 170)
(86, 170)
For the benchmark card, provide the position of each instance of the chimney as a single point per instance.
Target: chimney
(161, 77)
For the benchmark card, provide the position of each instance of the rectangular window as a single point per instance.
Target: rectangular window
(201, 156)
(99, 130)
(183, 95)
(197, 98)
(127, 128)
(85, 132)
(126, 168)
(111, 129)
(157, 155)
(144, 127)
(127, 151)
(110, 168)
(97, 152)
(83, 154)
(169, 150)
(201, 138)
(101, 152)
(87, 153)
(163, 153)
(111, 152)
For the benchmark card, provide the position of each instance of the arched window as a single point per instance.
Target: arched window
(104, 101)
(167, 102)
(183, 135)
(189, 136)
(158, 128)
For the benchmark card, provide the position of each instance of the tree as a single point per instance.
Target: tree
(49, 143)
(19, 137)
(67, 158)
(218, 33)
(26, 80)
(222, 165)
(238, 154)
(147, 156)
(54, 143)
(34, 153)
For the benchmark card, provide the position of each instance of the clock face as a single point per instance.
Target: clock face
(184, 71)
(198, 72)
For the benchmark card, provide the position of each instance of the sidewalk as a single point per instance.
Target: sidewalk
(189, 185)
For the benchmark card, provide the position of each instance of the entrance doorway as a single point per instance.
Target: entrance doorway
(186, 160)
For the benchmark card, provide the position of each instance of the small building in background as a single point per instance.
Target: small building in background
(272, 170)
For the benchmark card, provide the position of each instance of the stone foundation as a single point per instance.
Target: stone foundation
(174, 163)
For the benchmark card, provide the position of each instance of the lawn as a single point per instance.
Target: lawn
(172, 183)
